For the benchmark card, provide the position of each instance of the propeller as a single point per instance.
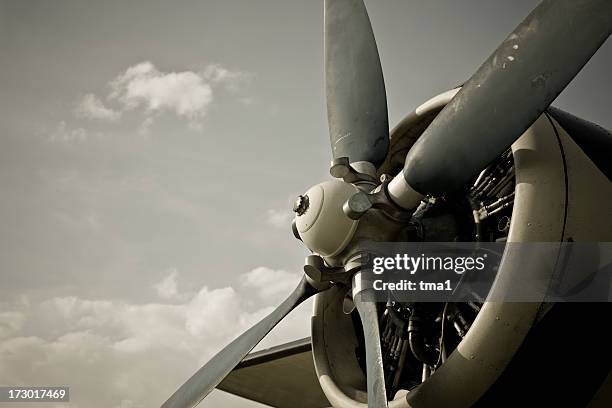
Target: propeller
(503, 98)
(359, 132)
(356, 99)
(513, 87)
(217, 368)
(377, 394)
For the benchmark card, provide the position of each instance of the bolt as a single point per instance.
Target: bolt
(301, 205)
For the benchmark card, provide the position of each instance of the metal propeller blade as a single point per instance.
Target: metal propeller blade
(506, 95)
(215, 370)
(377, 393)
(356, 100)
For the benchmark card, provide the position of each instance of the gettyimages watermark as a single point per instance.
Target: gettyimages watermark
(492, 271)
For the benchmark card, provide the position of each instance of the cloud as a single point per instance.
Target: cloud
(279, 218)
(232, 80)
(91, 107)
(186, 93)
(64, 134)
(115, 353)
(270, 282)
(10, 323)
(145, 88)
(145, 126)
(167, 287)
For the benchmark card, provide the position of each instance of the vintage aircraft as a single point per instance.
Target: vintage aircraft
(491, 161)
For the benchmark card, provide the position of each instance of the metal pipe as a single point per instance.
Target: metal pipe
(425, 374)
(400, 365)
(419, 348)
(504, 181)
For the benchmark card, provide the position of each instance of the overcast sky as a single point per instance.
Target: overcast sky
(149, 155)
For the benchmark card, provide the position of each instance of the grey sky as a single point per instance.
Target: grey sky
(141, 229)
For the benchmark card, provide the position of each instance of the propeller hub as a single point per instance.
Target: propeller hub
(320, 221)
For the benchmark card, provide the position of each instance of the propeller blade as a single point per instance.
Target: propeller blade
(377, 393)
(215, 370)
(356, 100)
(505, 96)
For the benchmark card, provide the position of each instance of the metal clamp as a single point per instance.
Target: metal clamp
(359, 203)
(342, 169)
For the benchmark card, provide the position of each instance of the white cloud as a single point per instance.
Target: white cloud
(184, 93)
(210, 307)
(145, 126)
(167, 287)
(91, 107)
(10, 323)
(125, 354)
(270, 282)
(279, 218)
(231, 79)
(65, 134)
